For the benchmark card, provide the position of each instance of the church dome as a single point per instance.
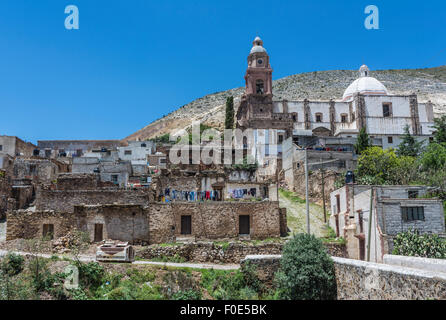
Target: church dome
(365, 85)
(257, 46)
(258, 49)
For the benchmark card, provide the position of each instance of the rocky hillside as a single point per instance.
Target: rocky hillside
(429, 84)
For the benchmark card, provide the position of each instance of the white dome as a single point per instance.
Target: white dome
(365, 85)
(258, 49)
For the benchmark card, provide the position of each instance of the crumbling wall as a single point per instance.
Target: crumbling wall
(210, 220)
(78, 181)
(5, 193)
(65, 200)
(315, 184)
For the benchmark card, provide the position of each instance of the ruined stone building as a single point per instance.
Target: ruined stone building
(395, 209)
(73, 148)
(14, 147)
(84, 202)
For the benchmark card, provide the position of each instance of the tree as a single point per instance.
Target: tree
(434, 157)
(440, 129)
(229, 118)
(363, 141)
(306, 270)
(378, 166)
(409, 146)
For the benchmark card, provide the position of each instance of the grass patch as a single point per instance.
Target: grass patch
(291, 196)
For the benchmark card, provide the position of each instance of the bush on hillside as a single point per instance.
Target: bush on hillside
(306, 270)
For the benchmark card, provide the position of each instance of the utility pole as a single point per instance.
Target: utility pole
(323, 192)
(369, 236)
(307, 202)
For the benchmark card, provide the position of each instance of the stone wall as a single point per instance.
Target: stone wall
(78, 181)
(5, 193)
(65, 200)
(213, 220)
(228, 252)
(155, 223)
(360, 280)
(315, 185)
(231, 252)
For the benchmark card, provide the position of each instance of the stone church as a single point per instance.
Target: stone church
(333, 124)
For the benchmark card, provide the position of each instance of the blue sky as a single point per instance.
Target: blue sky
(133, 61)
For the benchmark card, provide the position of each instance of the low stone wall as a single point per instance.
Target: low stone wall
(426, 264)
(360, 280)
(231, 252)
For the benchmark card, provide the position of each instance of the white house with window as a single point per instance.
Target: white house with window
(395, 209)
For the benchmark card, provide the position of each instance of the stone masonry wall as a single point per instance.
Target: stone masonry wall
(213, 220)
(5, 193)
(360, 280)
(230, 252)
(65, 200)
(155, 223)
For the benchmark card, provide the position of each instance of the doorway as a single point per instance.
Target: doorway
(98, 232)
(186, 225)
(244, 227)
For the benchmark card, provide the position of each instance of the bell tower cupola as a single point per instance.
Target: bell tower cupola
(258, 76)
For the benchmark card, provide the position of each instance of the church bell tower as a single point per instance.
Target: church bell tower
(256, 104)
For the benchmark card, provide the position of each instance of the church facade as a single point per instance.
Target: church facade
(335, 123)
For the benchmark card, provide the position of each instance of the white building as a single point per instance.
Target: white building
(366, 103)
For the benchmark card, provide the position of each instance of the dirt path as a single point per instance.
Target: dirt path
(296, 216)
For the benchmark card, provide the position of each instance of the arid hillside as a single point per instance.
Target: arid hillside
(428, 84)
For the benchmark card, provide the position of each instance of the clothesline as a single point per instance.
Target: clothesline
(172, 194)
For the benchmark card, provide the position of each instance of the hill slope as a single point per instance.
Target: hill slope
(428, 84)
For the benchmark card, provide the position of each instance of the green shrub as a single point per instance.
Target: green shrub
(13, 264)
(306, 270)
(90, 274)
(187, 295)
(411, 243)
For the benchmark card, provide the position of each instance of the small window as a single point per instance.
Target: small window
(114, 178)
(259, 87)
(79, 153)
(295, 117)
(48, 231)
(128, 152)
(1, 147)
(390, 140)
(343, 118)
(412, 194)
(162, 160)
(280, 138)
(318, 117)
(387, 110)
(412, 214)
